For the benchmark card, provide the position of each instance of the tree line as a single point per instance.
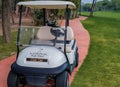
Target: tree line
(103, 5)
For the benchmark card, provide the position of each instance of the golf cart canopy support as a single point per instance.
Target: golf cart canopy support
(48, 4)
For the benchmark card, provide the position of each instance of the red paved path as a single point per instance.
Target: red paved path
(83, 40)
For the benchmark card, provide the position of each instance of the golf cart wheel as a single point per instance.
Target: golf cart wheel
(77, 59)
(62, 80)
(13, 80)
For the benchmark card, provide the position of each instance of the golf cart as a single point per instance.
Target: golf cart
(45, 54)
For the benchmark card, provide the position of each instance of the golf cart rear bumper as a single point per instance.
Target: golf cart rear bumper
(38, 71)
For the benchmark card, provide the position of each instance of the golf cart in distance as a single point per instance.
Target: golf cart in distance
(46, 54)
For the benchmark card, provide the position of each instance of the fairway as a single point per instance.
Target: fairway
(101, 68)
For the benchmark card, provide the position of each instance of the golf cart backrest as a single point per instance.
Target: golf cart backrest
(44, 33)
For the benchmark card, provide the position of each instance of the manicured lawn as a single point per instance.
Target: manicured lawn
(101, 68)
(8, 49)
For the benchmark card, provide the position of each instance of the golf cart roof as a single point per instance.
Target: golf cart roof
(48, 4)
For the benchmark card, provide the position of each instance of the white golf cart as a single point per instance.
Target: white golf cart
(46, 54)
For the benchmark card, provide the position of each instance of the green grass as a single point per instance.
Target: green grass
(8, 49)
(101, 68)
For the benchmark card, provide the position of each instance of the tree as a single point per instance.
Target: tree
(0, 7)
(116, 4)
(80, 7)
(12, 11)
(93, 7)
(87, 7)
(6, 20)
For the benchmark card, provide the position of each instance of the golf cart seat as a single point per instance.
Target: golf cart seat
(45, 33)
(45, 36)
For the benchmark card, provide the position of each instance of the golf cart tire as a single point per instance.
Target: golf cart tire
(12, 79)
(77, 59)
(62, 80)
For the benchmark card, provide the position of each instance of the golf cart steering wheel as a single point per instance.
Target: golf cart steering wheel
(57, 32)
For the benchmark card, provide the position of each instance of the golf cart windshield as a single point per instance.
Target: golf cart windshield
(29, 35)
(32, 35)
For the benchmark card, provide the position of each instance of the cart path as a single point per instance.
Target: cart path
(83, 41)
